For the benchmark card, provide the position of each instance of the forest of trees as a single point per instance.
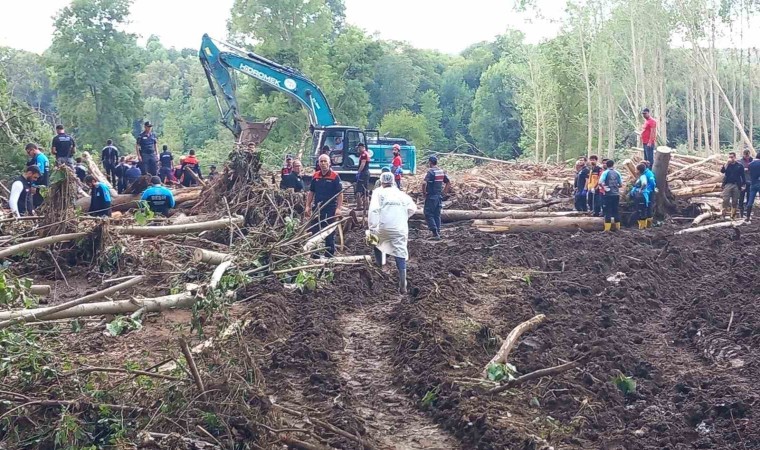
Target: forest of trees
(580, 92)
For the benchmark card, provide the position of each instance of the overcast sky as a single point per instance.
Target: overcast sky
(181, 23)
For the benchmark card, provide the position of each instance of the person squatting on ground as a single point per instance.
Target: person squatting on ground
(436, 184)
(20, 199)
(744, 194)
(147, 149)
(63, 147)
(100, 197)
(159, 198)
(611, 181)
(362, 178)
(326, 197)
(109, 156)
(641, 195)
(38, 159)
(733, 180)
(754, 185)
(592, 187)
(388, 217)
(581, 177)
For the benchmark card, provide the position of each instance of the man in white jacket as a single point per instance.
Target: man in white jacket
(389, 213)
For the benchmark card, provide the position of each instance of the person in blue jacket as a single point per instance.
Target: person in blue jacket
(100, 197)
(159, 198)
(651, 187)
(37, 158)
(641, 195)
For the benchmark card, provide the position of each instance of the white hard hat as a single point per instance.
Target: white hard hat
(386, 178)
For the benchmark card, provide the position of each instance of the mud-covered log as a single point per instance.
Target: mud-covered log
(542, 224)
(663, 197)
(168, 230)
(209, 256)
(704, 216)
(40, 289)
(732, 224)
(50, 240)
(511, 341)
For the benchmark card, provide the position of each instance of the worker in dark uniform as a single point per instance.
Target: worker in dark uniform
(754, 189)
(293, 179)
(326, 195)
(120, 172)
(435, 185)
(109, 157)
(100, 197)
(37, 158)
(20, 199)
(362, 178)
(611, 182)
(744, 194)
(581, 176)
(593, 188)
(166, 159)
(63, 147)
(159, 198)
(80, 170)
(733, 180)
(132, 174)
(147, 149)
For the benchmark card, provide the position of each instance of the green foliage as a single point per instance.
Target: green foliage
(306, 281)
(145, 214)
(627, 385)
(430, 396)
(406, 124)
(22, 356)
(498, 372)
(122, 324)
(15, 292)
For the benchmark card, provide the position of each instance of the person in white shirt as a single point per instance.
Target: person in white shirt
(389, 213)
(20, 200)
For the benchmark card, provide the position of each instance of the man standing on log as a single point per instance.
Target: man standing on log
(611, 181)
(147, 149)
(733, 180)
(648, 135)
(326, 195)
(592, 187)
(436, 184)
(63, 147)
(754, 189)
(100, 197)
(109, 157)
(581, 176)
(744, 194)
(20, 200)
(388, 217)
(159, 198)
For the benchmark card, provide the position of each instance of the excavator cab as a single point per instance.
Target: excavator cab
(339, 143)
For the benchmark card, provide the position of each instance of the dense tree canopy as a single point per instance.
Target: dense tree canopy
(577, 93)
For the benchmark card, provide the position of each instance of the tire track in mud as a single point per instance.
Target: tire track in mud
(364, 364)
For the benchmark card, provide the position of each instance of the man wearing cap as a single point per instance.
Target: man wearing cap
(388, 217)
(396, 165)
(362, 178)
(435, 185)
(648, 135)
(63, 147)
(147, 149)
(326, 195)
(159, 198)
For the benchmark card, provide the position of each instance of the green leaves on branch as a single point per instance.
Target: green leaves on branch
(499, 372)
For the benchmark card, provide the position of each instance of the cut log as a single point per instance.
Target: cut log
(95, 172)
(674, 175)
(209, 257)
(194, 176)
(19, 248)
(124, 202)
(455, 215)
(543, 224)
(511, 341)
(40, 289)
(543, 204)
(36, 314)
(178, 229)
(731, 224)
(316, 240)
(663, 197)
(692, 191)
(704, 216)
(518, 200)
(631, 167)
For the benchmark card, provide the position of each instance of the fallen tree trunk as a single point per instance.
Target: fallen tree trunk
(19, 248)
(16, 317)
(543, 204)
(704, 216)
(124, 202)
(40, 289)
(732, 224)
(692, 191)
(543, 224)
(663, 197)
(209, 256)
(455, 215)
(511, 341)
(178, 229)
(518, 200)
(692, 166)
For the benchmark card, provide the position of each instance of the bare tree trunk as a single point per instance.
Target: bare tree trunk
(742, 112)
(690, 115)
(590, 136)
(663, 128)
(751, 95)
(560, 154)
(705, 129)
(713, 94)
(734, 96)
(610, 121)
(634, 60)
(599, 117)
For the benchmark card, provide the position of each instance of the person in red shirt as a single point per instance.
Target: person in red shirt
(648, 135)
(362, 178)
(396, 165)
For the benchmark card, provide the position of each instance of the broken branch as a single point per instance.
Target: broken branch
(511, 341)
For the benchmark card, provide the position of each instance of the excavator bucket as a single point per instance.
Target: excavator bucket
(255, 132)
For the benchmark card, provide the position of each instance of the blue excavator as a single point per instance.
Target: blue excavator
(341, 140)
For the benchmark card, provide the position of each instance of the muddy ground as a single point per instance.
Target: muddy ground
(402, 371)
